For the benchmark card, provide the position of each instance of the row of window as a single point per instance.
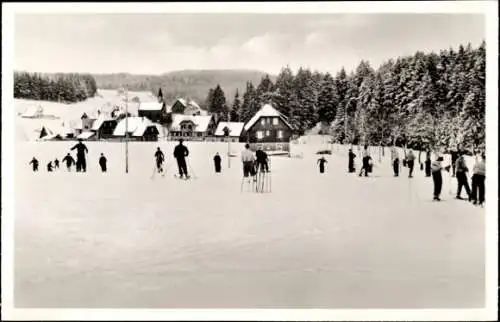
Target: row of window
(261, 134)
(267, 120)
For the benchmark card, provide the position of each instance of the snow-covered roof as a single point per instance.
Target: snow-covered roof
(190, 105)
(235, 128)
(201, 122)
(136, 125)
(33, 111)
(85, 135)
(266, 111)
(150, 106)
(100, 121)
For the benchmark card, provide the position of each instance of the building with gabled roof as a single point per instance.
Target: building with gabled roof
(186, 107)
(268, 129)
(138, 128)
(155, 111)
(191, 127)
(229, 131)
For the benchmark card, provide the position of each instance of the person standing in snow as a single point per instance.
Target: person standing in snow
(180, 153)
(410, 162)
(478, 178)
(461, 174)
(81, 150)
(56, 164)
(261, 160)
(69, 161)
(454, 157)
(350, 165)
(437, 177)
(34, 163)
(160, 157)
(248, 159)
(366, 162)
(217, 162)
(322, 162)
(102, 163)
(395, 161)
(49, 166)
(428, 164)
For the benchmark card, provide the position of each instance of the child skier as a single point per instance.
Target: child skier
(217, 162)
(322, 162)
(437, 178)
(102, 162)
(395, 161)
(56, 164)
(49, 166)
(69, 161)
(160, 157)
(34, 162)
(428, 164)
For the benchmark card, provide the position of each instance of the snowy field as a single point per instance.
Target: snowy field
(335, 240)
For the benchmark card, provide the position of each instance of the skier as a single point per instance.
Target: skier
(49, 166)
(395, 161)
(410, 162)
(437, 178)
(248, 159)
(454, 157)
(102, 162)
(461, 174)
(180, 153)
(366, 162)
(428, 164)
(217, 162)
(261, 161)
(56, 164)
(160, 157)
(34, 162)
(478, 178)
(322, 162)
(350, 165)
(69, 161)
(81, 149)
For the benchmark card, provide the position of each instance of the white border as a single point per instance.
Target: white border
(488, 8)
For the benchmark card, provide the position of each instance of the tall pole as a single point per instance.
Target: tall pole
(228, 144)
(126, 130)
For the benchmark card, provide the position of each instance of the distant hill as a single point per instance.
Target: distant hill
(184, 83)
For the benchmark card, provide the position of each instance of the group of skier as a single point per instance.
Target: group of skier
(181, 152)
(80, 163)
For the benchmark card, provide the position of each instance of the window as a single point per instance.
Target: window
(268, 121)
(279, 146)
(268, 133)
(280, 134)
(200, 134)
(263, 121)
(260, 134)
(275, 121)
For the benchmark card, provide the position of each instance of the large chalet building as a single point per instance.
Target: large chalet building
(268, 129)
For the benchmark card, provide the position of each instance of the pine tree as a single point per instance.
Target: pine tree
(328, 100)
(236, 108)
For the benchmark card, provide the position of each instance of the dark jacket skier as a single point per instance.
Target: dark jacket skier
(366, 162)
(461, 174)
(217, 162)
(261, 160)
(81, 149)
(478, 178)
(69, 161)
(395, 161)
(350, 165)
(180, 154)
(49, 166)
(102, 163)
(56, 164)
(160, 157)
(428, 164)
(34, 162)
(454, 157)
(322, 162)
(410, 163)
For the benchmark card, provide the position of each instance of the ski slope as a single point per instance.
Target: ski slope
(335, 240)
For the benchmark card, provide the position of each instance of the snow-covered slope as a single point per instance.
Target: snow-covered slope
(121, 240)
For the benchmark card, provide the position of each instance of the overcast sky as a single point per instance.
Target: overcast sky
(158, 43)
